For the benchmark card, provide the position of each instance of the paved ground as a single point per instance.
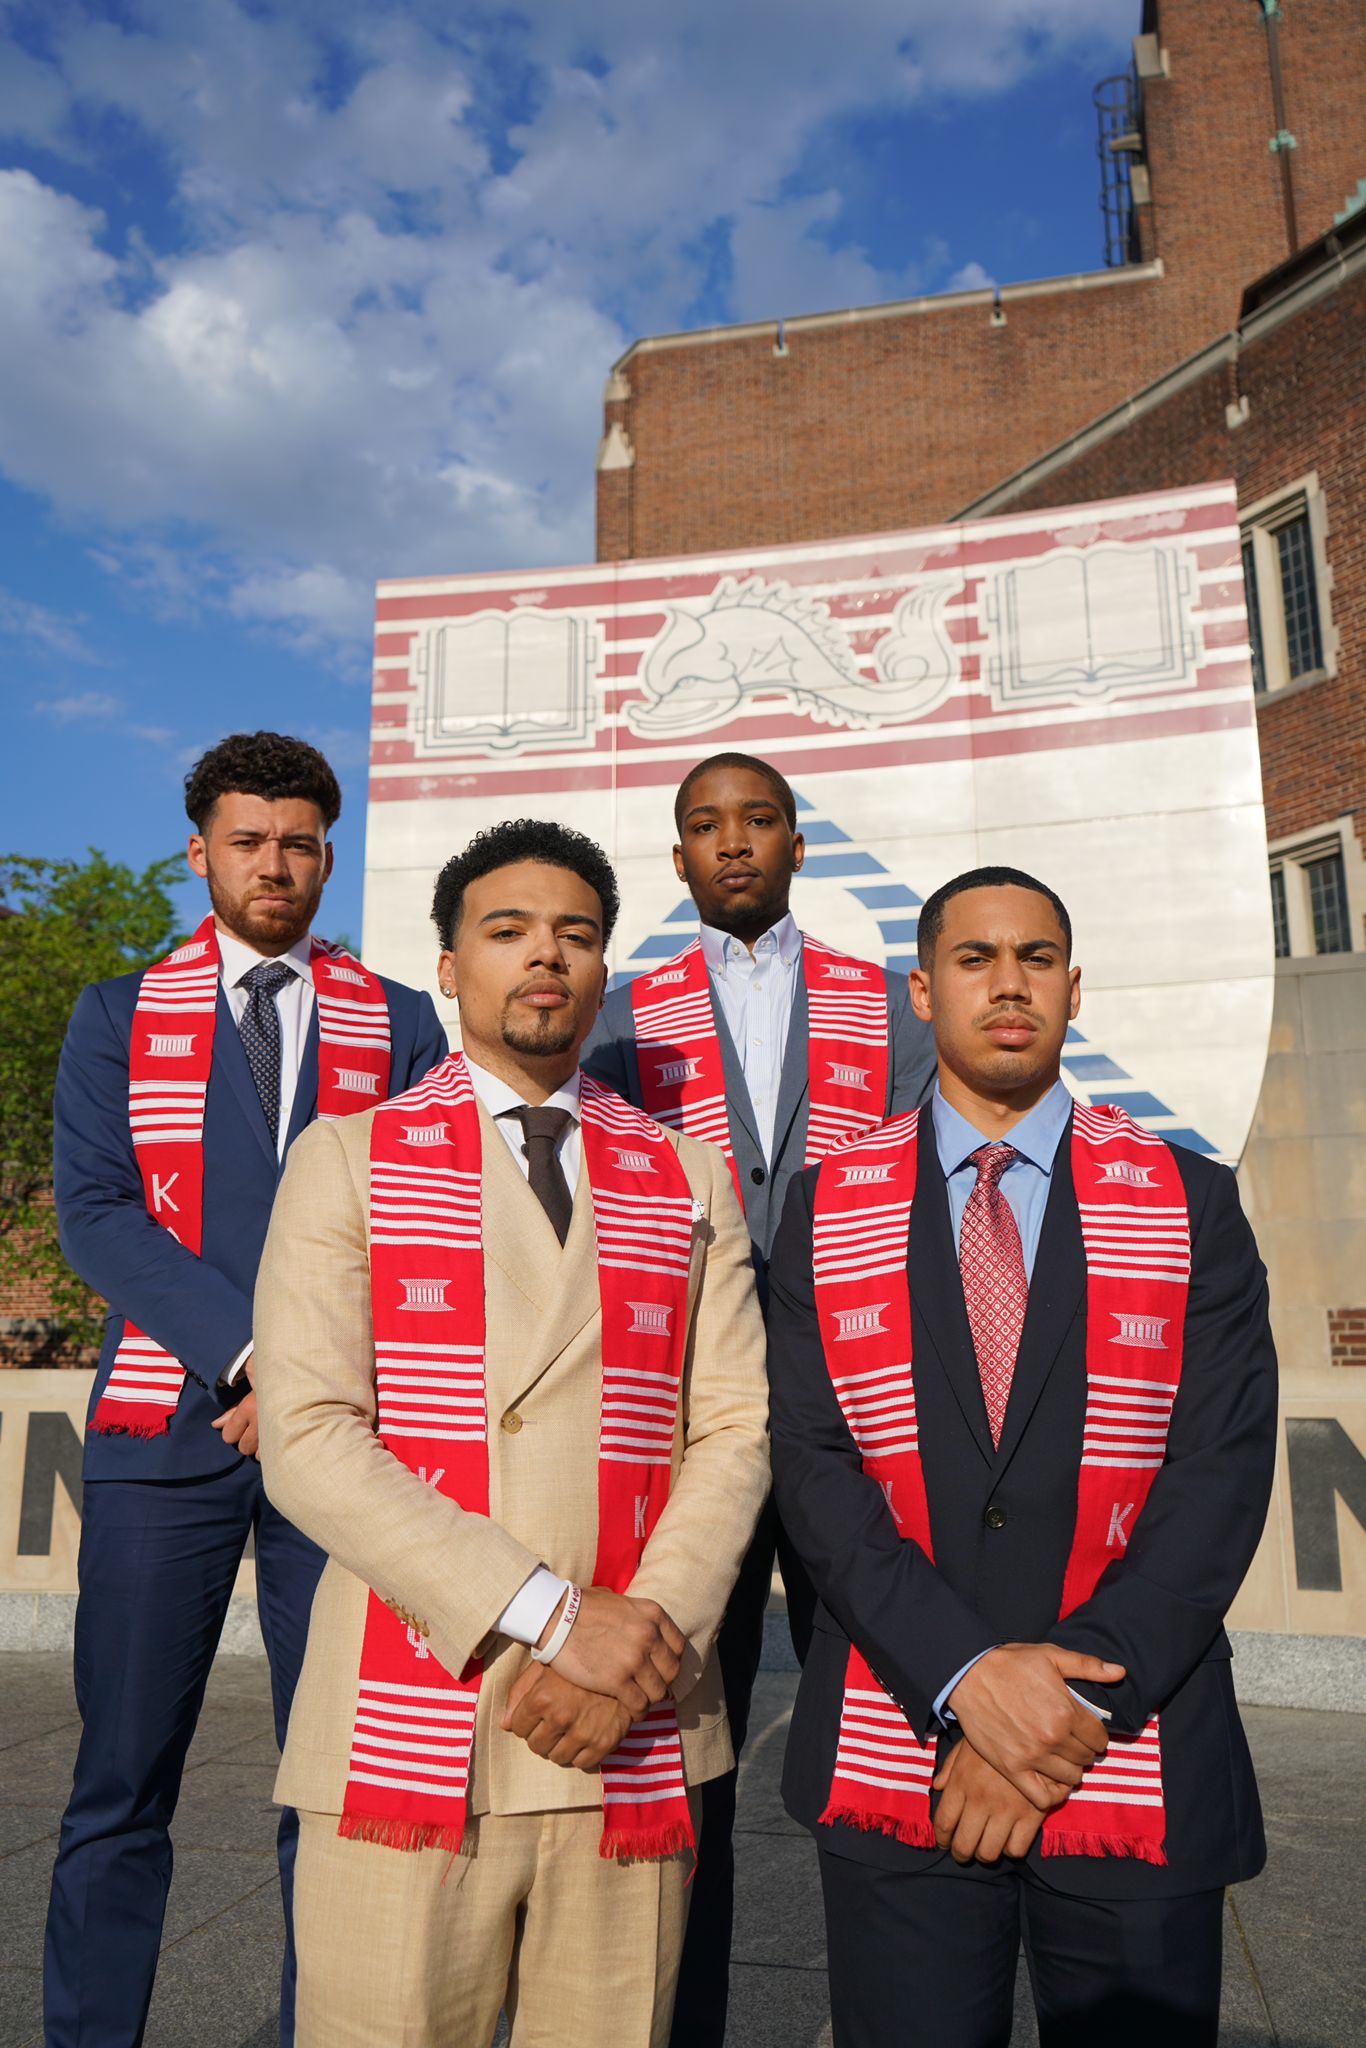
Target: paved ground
(1295, 1948)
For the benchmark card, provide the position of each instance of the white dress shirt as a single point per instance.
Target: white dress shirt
(294, 1002)
(503, 1102)
(755, 991)
(531, 1606)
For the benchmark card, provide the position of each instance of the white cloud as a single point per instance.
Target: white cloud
(970, 277)
(89, 707)
(369, 335)
(50, 633)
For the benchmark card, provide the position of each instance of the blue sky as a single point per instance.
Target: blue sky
(295, 296)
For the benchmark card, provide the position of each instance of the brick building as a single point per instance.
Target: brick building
(898, 415)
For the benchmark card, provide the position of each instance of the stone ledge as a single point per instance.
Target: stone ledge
(1327, 1672)
(45, 1621)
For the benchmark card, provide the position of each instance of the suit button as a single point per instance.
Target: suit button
(512, 1422)
(757, 1175)
(995, 1518)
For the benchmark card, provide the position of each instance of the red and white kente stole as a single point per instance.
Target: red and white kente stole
(679, 1052)
(170, 1057)
(1136, 1230)
(408, 1783)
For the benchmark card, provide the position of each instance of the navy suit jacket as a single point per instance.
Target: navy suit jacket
(198, 1308)
(610, 1056)
(1158, 1610)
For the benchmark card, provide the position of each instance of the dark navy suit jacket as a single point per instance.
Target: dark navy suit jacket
(199, 1309)
(1159, 1610)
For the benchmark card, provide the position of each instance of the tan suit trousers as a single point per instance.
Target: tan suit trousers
(402, 1949)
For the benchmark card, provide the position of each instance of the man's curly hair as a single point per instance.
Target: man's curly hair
(516, 839)
(267, 764)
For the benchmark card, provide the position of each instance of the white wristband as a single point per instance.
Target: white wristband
(572, 1601)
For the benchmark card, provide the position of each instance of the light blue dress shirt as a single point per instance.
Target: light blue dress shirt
(755, 992)
(1025, 1184)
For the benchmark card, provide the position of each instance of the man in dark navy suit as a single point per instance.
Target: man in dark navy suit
(738, 852)
(1023, 1414)
(172, 1484)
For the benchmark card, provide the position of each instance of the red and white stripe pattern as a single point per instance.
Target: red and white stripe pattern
(1129, 1775)
(1136, 1302)
(353, 1026)
(877, 1746)
(859, 583)
(847, 1053)
(643, 1777)
(416, 1739)
(410, 1755)
(170, 1059)
(678, 1050)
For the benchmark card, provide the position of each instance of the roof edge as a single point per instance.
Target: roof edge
(892, 309)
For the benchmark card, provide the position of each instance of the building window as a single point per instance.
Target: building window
(1287, 580)
(1318, 893)
(1279, 924)
(1328, 903)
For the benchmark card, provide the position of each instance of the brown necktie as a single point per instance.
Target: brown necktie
(543, 1129)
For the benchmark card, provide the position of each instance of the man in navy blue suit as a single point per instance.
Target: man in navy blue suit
(1023, 1402)
(179, 1092)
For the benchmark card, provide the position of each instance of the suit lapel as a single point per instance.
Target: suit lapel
(306, 1093)
(937, 1306)
(231, 1061)
(795, 1079)
(560, 1283)
(1056, 1291)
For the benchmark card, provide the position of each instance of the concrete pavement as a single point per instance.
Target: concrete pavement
(1295, 1940)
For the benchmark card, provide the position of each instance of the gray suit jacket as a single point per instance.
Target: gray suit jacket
(610, 1055)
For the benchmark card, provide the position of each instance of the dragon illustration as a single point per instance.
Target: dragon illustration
(766, 639)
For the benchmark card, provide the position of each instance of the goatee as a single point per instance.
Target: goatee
(551, 1034)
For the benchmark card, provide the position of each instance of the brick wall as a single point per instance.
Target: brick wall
(1304, 381)
(891, 418)
(1347, 1336)
(29, 1333)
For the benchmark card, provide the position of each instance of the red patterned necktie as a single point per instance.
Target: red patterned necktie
(991, 1261)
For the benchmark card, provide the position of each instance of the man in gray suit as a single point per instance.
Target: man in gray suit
(774, 1046)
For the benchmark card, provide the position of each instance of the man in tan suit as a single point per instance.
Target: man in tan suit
(494, 1611)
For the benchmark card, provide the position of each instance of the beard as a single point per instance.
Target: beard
(549, 1032)
(753, 914)
(257, 925)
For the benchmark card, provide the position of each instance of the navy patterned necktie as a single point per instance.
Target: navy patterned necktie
(260, 1035)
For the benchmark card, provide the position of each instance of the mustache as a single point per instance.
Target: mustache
(1010, 1013)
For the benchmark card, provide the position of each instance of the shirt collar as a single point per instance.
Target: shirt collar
(238, 958)
(499, 1099)
(1036, 1137)
(782, 938)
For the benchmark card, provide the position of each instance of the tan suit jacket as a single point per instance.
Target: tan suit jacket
(453, 1572)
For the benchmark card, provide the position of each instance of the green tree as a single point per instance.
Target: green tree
(63, 923)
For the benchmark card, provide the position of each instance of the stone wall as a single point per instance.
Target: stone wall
(1303, 1181)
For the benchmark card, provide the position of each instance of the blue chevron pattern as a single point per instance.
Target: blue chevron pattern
(833, 855)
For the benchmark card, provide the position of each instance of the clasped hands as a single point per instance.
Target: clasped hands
(619, 1659)
(1026, 1743)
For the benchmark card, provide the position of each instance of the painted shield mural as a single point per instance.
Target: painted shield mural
(1069, 692)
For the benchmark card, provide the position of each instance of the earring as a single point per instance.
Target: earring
(446, 991)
